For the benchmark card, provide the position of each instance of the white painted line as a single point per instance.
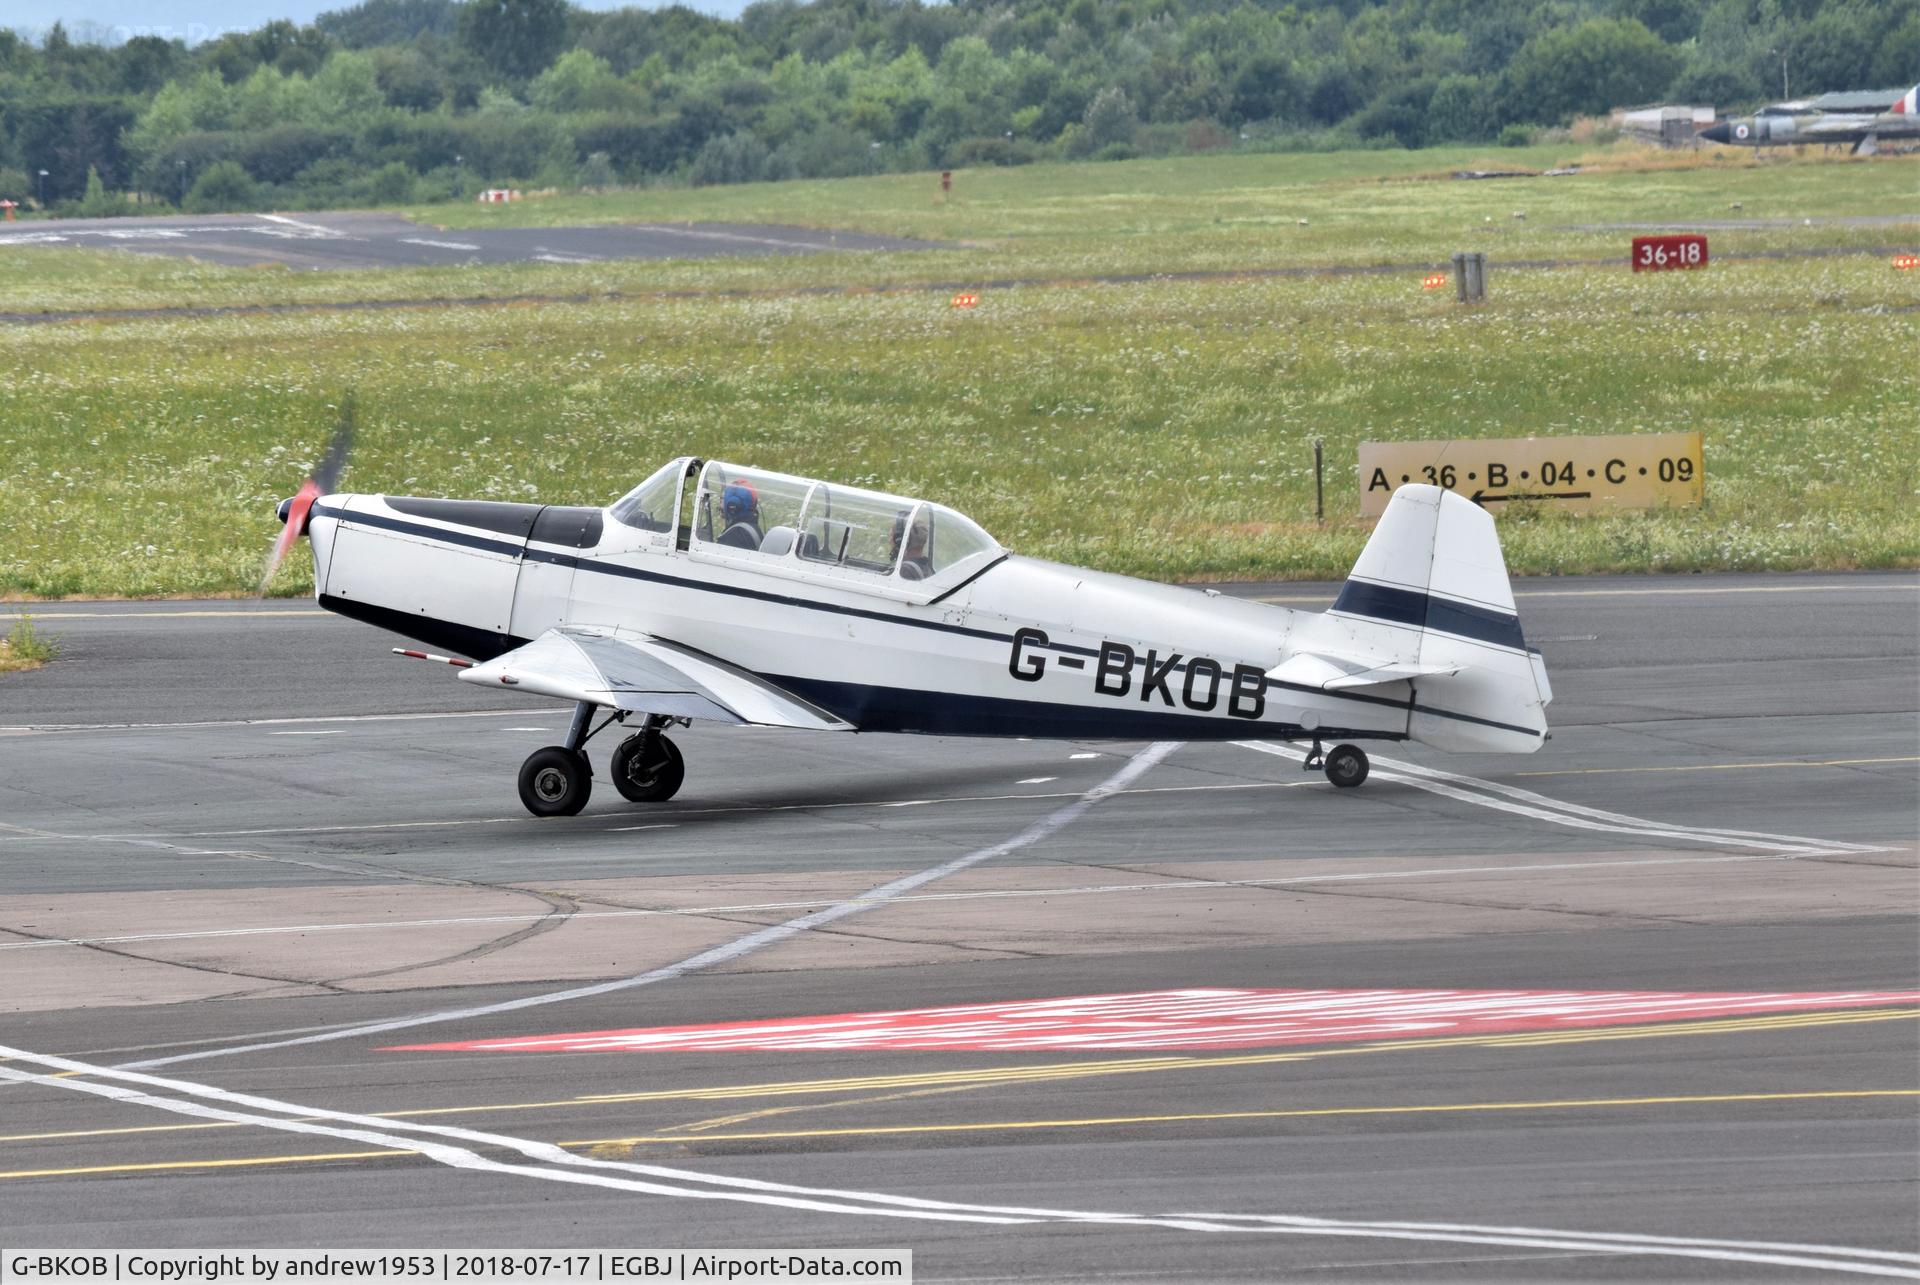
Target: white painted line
(37, 728)
(709, 234)
(1327, 596)
(1083, 756)
(337, 731)
(1872, 587)
(381, 1135)
(305, 829)
(682, 813)
(1489, 794)
(438, 245)
(309, 229)
(548, 1162)
(1037, 780)
(628, 829)
(1515, 792)
(528, 729)
(1169, 883)
(760, 939)
(43, 617)
(565, 258)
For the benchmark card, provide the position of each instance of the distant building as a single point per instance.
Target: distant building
(1668, 125)
(1851, 101)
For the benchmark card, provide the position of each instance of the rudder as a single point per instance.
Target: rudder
(1431, 590)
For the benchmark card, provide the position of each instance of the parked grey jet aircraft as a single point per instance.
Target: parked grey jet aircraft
(1856, 120)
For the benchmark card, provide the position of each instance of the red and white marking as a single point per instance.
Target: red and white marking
(1192, 1020)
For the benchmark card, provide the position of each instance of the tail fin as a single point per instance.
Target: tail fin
(1430, 595)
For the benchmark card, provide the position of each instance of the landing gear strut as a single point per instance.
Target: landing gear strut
(557, 780)
(1345, 765)
(647, 767)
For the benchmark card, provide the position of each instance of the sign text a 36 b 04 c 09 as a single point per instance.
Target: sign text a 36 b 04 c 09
(1579, 474)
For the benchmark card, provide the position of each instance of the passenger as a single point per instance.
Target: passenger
(740, 508)
(916, 565)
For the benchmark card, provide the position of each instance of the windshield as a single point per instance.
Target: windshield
(953, 538)
(652, 505)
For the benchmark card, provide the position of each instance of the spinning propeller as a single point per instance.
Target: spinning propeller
(295, 511)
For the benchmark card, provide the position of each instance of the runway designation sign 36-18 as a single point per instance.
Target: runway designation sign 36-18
(1581, 474)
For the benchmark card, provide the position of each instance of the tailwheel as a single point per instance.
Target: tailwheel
(555, 781)
(1347, 766)
(647, 768)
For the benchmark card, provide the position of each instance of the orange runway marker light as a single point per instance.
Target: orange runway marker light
(966, 299)
(1906, 262)
(1433, 281)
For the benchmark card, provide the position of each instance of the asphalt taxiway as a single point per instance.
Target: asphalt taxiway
(350, 239)
(247, 855)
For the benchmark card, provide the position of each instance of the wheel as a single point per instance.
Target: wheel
(1347, 766)
(555, 781)
(648, 778)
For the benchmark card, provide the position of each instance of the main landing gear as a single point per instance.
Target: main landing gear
(1345, 765)
(557, 780)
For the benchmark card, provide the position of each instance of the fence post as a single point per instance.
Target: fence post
(1470, 277)
(1319, 487)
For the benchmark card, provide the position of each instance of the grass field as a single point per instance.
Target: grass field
(1161, 428)
(1204, 213)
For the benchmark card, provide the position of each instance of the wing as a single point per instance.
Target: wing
(1333, 673)
(1836, 125)
(624, 670)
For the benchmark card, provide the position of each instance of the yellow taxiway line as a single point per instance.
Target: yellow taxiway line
(1004, 1126)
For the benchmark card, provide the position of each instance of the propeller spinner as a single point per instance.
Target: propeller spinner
(295, 510)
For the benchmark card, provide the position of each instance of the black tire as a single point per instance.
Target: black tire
(555, 781)
(1347, 766)
(652, 779)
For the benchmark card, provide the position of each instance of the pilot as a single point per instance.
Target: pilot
(916, 565)
(740, 507)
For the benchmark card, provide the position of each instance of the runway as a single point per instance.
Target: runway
(1639, 1006)
(347, 239)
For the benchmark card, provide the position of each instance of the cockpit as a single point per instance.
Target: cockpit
(777, 522)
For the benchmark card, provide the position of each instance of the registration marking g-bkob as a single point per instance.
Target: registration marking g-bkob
(1199, 683)
(1578, 474)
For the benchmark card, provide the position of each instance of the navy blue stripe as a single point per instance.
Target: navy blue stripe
(381, 522)
(898, 709)
(445, 635)
(634, 573)
(1425, 611)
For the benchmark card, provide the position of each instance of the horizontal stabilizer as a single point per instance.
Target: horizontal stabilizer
(1335, 673)
(643, 674)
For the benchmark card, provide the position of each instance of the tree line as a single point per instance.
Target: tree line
(395, 101)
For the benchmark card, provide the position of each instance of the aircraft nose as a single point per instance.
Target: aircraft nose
(1720, 132)
(283, 508)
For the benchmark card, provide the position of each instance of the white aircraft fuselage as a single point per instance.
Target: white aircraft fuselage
(997, 645)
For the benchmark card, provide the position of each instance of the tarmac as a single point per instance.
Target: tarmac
(345, 239)
(247, 856)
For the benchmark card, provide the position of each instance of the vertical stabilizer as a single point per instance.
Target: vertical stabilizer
(1430, 590)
